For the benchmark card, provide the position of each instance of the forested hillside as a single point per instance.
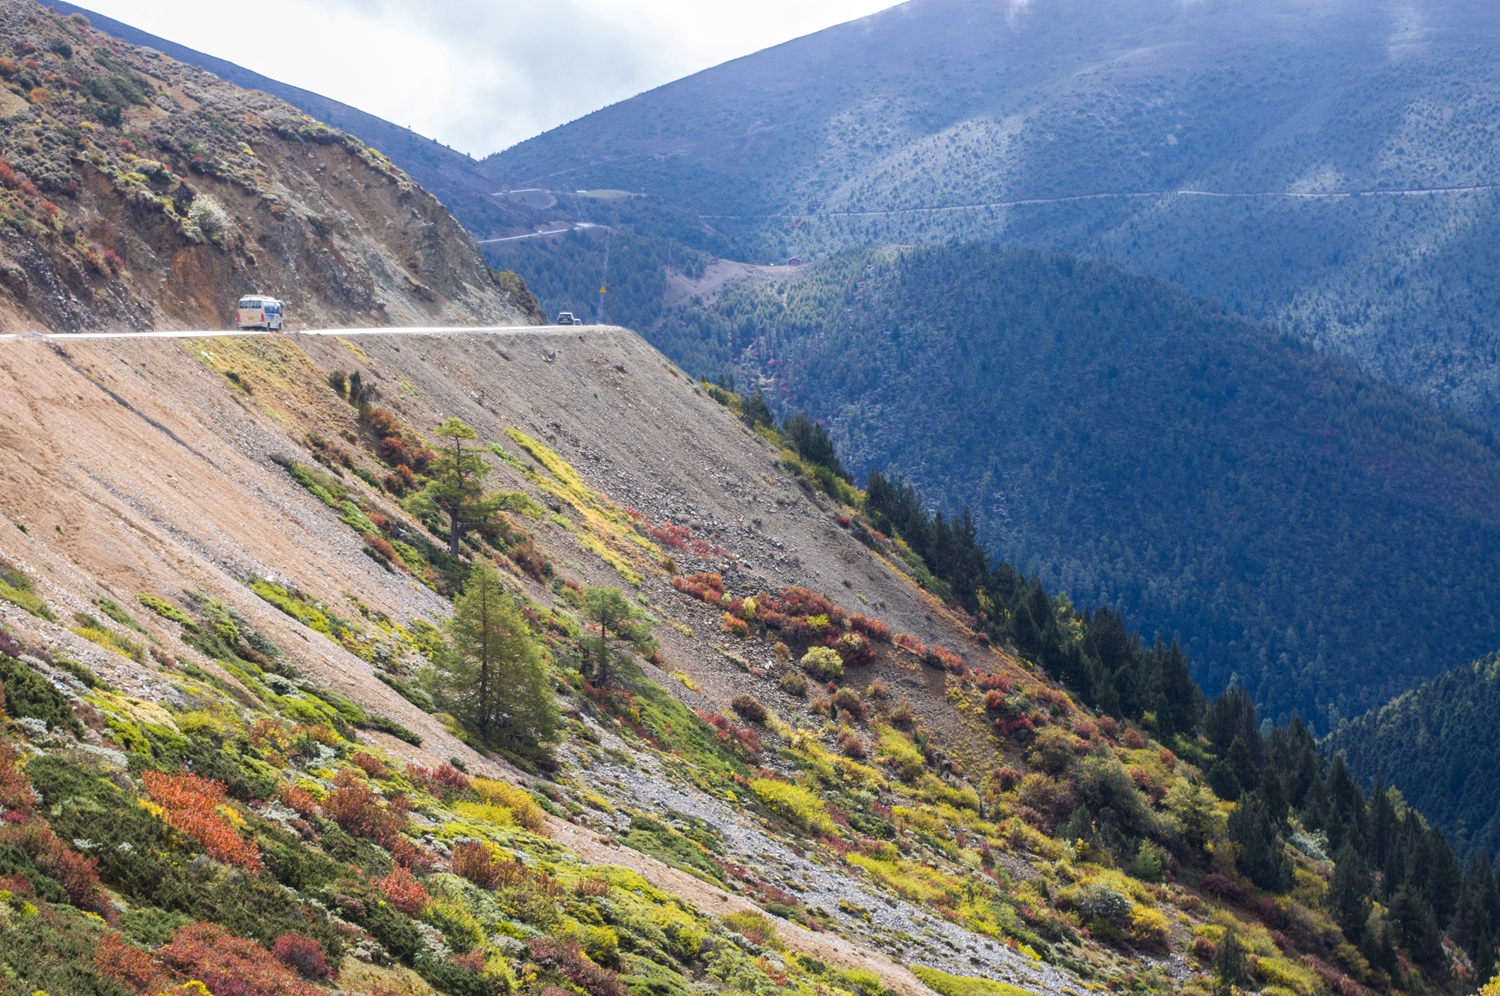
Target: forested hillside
(1437, 745)
(1288, 519)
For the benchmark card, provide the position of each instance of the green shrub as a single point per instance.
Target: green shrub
(29, 694)
(166, 610)
(15, 587)
(118, 614)
(823, 663)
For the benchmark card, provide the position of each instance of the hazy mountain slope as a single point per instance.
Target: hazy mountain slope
(139, 193)
(1437, 745)
(1323, 537)
(1059, 123)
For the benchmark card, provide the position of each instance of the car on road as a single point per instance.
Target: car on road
(566, 318)
(259, 312)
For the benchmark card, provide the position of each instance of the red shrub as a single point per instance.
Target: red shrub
(485, 866)
(357, 810)
(471, 962)
(1204, 950)
(1020, 729)
(994, 699)
(1007, 778)
(229, 965)
(1167, 758)
(748, 740)
(404, 891)
(873, 628)
(572, 964)
(445, 779)
(947, 660)
(369, 764)
(8, 175)
(55, 859)
(993, 682)
(1108, 726)
(1219, 885)
(302, 955)
(1133, 739)
(853, 747)
(670, 535)
(597, 886)
(735, 626)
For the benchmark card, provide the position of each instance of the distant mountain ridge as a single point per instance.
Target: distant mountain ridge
(1076, 125)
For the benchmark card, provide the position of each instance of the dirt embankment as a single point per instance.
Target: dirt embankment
(139, 193)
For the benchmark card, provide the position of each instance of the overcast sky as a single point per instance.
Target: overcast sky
(480, 75)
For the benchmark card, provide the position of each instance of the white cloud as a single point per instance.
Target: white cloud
(480, 75)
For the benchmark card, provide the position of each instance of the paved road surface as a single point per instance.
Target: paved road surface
(218, 333)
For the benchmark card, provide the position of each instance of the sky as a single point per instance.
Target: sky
(480, 75)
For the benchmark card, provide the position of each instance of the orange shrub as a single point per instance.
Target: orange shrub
(127, 965)
(15, 790)
(404, 891)
(190, 803)
(299, 799)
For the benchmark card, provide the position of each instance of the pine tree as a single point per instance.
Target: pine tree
(1229, 964)
(456, 491)
(617, 618)
(496, 681)
(1260, 854)
(1349, 894)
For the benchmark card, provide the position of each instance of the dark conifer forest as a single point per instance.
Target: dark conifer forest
(1287, 520)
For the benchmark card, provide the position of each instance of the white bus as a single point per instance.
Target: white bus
(257, 312)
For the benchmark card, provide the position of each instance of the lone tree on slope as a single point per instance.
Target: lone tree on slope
(496, 681)
(456, 491)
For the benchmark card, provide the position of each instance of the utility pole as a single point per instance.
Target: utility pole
(604, 283)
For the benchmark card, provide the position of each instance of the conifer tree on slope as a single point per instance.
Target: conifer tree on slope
(496, 681)
(456, 491)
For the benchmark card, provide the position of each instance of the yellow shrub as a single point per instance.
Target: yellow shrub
(894, 749)
(1288, 974)
(522, 806)
(486, 812)
(1148, 928)
(794, 802)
